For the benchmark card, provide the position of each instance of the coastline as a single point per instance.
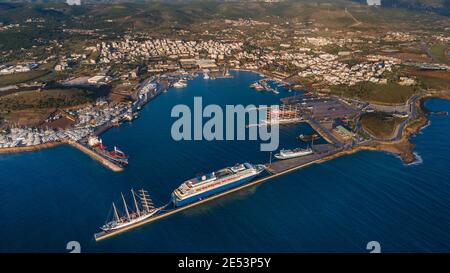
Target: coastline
(403, 147)
(93, 155)
(21, 149)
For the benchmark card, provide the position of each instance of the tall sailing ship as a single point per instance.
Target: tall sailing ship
(143, 209)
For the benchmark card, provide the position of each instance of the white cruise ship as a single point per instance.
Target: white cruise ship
(206, 185)
(286, 154)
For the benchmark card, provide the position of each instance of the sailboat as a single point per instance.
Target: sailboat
(144, 209)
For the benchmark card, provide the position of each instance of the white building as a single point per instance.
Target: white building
(374, 2)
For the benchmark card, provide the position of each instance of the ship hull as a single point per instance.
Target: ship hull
(182, 202)
(278, 156)
(121, 161)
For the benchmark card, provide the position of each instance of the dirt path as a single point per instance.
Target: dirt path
(357, 22)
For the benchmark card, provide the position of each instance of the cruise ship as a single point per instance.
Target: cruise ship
(286, 154)
(206, 185)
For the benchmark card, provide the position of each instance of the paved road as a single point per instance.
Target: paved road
(321, 129)
(412, 113)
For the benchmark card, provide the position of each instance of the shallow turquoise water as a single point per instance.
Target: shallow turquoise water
(53, 196)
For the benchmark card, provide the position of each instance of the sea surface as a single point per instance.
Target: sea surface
(53, 196)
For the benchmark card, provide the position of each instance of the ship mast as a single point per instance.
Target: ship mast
(125, 205)
(135, 202)
(145, 200)
(115, 212)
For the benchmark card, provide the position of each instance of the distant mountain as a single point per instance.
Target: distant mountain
(438, 6)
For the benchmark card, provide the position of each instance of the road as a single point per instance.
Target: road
(412, 113)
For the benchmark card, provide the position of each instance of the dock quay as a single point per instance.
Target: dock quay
(322, 131)
(94, 155)
(317, 112)
(275, 169)
(320, 151)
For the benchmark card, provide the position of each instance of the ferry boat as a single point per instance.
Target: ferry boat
(206, 185)
(180, 84)
(286, 154)
(142, 212)
(115, 155)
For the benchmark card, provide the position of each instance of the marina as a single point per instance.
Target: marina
(263, 85)
(156, 127)
(87, 190)
(294, 109)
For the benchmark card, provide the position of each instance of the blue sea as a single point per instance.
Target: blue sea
(53, 196)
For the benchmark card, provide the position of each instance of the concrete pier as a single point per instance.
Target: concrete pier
(320, 151)
(94, 155)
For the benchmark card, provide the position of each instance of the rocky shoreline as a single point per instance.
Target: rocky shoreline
(403, 147)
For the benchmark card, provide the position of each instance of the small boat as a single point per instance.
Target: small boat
(205, 76)
(307, 138)
(257, 86)
(286, 154)
(180, 84)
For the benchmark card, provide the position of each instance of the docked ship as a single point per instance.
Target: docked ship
(286, 154)
(206, 185)
(307, 138)
(144, 209)
(257, 86)
(115, 155)
(180, 84)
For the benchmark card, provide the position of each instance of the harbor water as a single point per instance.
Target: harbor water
(53, 196)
